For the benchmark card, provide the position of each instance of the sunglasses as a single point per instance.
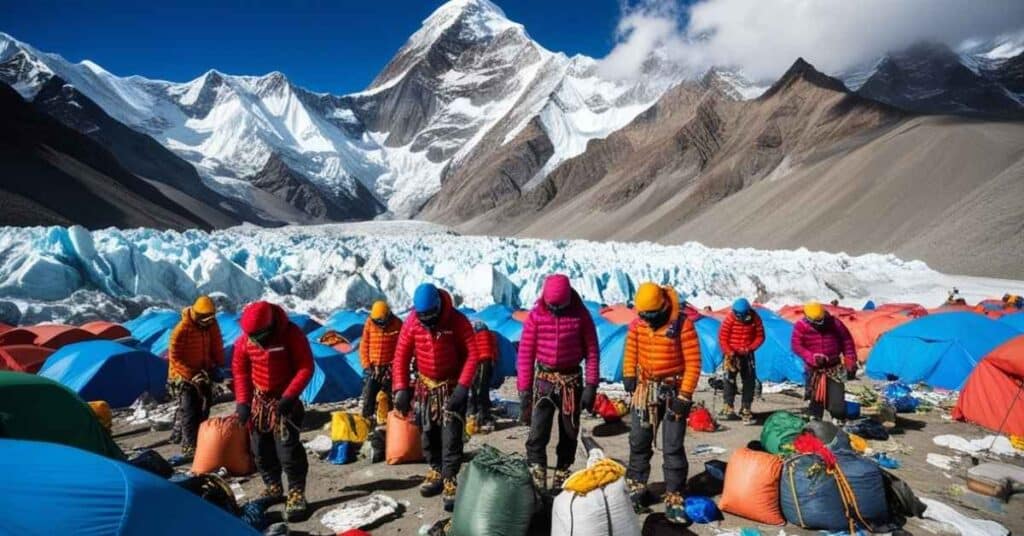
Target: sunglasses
(428, 316)
(204, 320)
(381, 321)
(558, 307)
(651, 316)
(262, 335)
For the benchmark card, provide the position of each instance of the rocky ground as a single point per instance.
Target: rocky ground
(331, 485)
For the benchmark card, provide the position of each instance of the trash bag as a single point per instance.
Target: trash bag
(151, 461)
(343, 452)
(752, 487)
(403, 443)
(896, 390)
(701, 509)
(810, 496)
(700, 420)
(223, 442)
(349, 427)
(595, 501)
(903, 503)
(780, 429)
(254, 513)
(213, 489)
(868, 429)
(495, 496)
(905, 404)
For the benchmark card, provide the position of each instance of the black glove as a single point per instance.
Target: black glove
(457, 400)
(587, 400)
(285, 405)
(629, 384)
(525, 407)
(680, 406)
(244, 411)
(403, 401)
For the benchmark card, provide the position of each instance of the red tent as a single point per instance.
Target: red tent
(107, 330)
(17, 336)
(796, 312)
(23, 357)
(993, 395)
(57, 335)
(618, 314)
(5, 328)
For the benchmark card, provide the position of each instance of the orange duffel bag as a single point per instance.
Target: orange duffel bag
(752, 487)
(223, 442)
(403, 443)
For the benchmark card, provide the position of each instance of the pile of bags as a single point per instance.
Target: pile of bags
(899, 395)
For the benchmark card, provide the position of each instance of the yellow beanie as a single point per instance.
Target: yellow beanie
(379, 310)
(204, 306)
(649, 297)
(814, 311)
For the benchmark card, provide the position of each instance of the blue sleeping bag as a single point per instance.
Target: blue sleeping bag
(811, 499)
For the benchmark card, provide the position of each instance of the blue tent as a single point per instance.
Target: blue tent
(466, 310)
(106, 370)
(305, 322)
(1014, 320)
(594, 308)
(153, 329)
(939, 350)
(333, 377)
(348, 324)
(55, 489)
(612, 342)
(775, 361)
(230, 331)
(710, 352)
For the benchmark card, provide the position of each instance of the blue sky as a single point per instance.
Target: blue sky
(336, 46)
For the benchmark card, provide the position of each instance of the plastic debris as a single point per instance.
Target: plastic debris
(943, 513)
(885, 461)
(941, 461)
(359, 512)
(319, 445)
(775, 388)
(990, 443)
(706, 450)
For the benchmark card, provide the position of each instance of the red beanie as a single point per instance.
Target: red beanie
(257, 316)
(557, 290)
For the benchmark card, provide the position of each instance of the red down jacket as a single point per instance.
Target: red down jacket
(558, 341)
(282, 368)
(447, 352)
(486, 345)
(830, 340)
(737, 337)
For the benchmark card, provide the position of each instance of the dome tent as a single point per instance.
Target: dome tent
(152, 326)
(40, 409)
(710, 352)
(993, 395)
(23, 357)
(940, 350)
(54, 336)
(333, 378)
(348, 324)
(106, 370)
(775, 360)
(1015, 321)
(107, 330)
(56, 489)
(305, 322)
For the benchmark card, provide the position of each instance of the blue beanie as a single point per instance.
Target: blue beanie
(741, 306)
(426, 298)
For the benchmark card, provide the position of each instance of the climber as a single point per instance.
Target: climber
(271, 365)
(661, 367)
(376, 352)
(479, 416)
(740, 334)
(830, 358)
(441, 340)
(558, 336)
(194, 357)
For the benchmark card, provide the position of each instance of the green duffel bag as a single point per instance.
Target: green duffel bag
(496, 496)
(780, 429)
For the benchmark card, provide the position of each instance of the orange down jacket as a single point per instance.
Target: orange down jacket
(377, 346)
(671, 350)
(193, 349)
(737, 337)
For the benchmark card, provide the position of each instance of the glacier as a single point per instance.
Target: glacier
(63, 274)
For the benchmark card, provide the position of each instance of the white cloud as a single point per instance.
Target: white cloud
(764, 37)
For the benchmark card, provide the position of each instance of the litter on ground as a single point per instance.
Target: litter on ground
(359, 512)
(994, 444)
(943, 513)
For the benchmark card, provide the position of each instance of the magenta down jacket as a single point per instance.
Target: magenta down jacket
(558, 342)
(833, 339)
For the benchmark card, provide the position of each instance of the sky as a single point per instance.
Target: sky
(339, 46)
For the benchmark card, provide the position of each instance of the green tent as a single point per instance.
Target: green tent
(40, 409)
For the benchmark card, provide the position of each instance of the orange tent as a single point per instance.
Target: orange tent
(521, 315)
(618, 314)
(867, 327)
(23, 357)
(796, 312)
(57, 335)
(948, 308)
(912, 310)
(993, 395)
(107, 330)
(17, 336)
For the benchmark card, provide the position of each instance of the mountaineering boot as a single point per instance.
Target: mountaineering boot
(272, 493)
(486, 426)
(637, 491)
(675, 510)
(746, 416)
(295, 508)
(558, 479)
(539, 474)
(448, 494)
(432, 484)
(727, 413)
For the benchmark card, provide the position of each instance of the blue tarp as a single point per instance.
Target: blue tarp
(710, 353)
(106, 370)
(776, 362)
(333, 377)
(1014, 320)
(938, 350)
(55, 489)
(305, 322)
(153, 329)
(347, 323)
